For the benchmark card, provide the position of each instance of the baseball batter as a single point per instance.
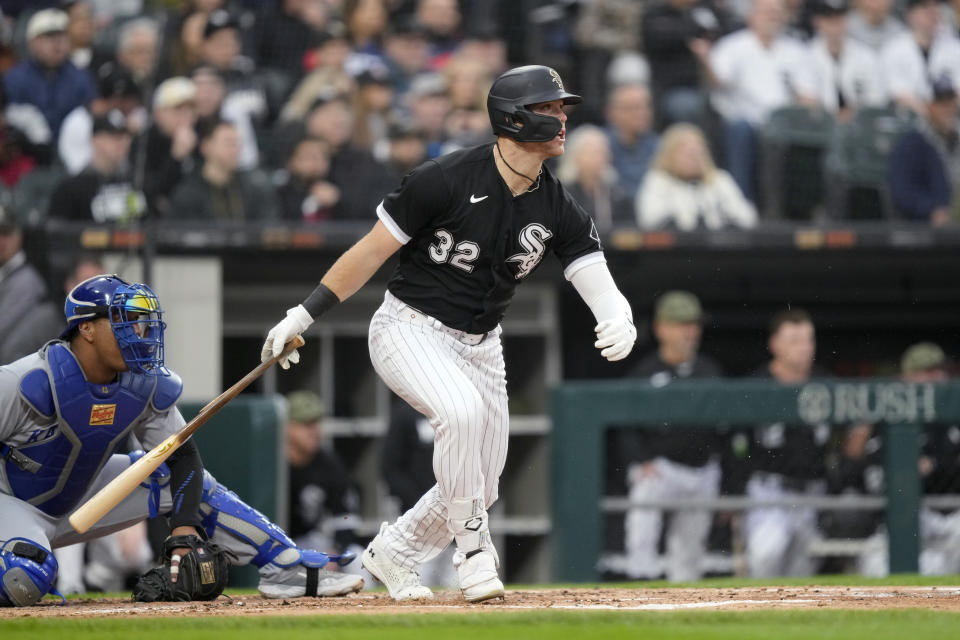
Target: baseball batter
(63, 412)
(470, 227)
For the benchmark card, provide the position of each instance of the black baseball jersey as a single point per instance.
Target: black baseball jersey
(468, 241)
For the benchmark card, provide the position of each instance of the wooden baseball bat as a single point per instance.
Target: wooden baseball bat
(120, 487)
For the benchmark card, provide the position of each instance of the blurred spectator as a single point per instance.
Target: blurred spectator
(80, 32)
(327, 77)
(306, 194)
(22, 290)
(407, 52)
(47, 79)
(372, 107)
(848, 73)
(286, 30)
(924, 164)
(915, 58)
(115, 90)
(466, 128)
(171, 140)
(632, 140)
(354, 171)
(323, 503)
(429, 104)
(785, 461)
(366, 20)
(586, 171)
(872, 22)
(483, 44)
(754, 71)
(103, 192)
(138, 49)
(671, 462)
(441, 19)
(407, 151)
(684, 190)
(184, 52)
(245, 103)
(468, 81)
(18, 155)
(677, 37)
(106, 11)
(218, 191)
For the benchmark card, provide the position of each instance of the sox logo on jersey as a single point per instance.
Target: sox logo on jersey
(533, 238)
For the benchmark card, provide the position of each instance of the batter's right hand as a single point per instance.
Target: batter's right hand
(296, 322)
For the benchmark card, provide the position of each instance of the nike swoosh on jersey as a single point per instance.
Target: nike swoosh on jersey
(474, 199)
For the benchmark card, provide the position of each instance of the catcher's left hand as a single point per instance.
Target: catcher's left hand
(201, 572)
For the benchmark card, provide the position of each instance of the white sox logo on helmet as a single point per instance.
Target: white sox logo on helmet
(533, 238)
(556, 78)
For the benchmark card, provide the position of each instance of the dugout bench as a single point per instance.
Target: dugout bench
(582, 412)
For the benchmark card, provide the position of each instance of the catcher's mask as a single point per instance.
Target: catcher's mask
(135, 317)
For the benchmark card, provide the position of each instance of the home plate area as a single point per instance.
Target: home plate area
(613, 599)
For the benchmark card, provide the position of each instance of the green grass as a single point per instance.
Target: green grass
(760, 625)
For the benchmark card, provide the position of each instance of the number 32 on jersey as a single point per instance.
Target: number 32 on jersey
(464, 253)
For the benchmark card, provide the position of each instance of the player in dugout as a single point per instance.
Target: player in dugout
(469, 227)
(65, 409)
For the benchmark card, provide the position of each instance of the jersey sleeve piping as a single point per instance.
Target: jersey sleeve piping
(391, 226)
(583, 261)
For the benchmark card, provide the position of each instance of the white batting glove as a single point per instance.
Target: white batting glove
(615, 338)
(296, 322)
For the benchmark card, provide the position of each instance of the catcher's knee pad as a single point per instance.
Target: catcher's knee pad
(159, 479)
(222, 508)
(27, 573)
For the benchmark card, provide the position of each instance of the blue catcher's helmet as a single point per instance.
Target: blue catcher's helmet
(135, 317)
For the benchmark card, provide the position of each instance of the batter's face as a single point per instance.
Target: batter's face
(554, 147)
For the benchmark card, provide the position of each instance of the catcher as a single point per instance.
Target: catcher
(63, 412)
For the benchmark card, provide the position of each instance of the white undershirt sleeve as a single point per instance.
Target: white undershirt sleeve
(596, 286)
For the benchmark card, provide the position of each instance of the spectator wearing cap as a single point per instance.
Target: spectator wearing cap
(285, 31)
(873, 23)
(323, 501)
(116, 89)
(754, 71)
(915, 58)
(306, 194)
(80, 32)
(245, 102)
(171, 141)
(924, 164)
(327, 75)
(407, 52)
(354, 171)
(219, 191)
(677, 38)
(372, 106)
(47, 80)
(103, 192)
(138, 48)
(22, 290)
(673, 462)
(847, 72)
(407, 151)
(428, 103)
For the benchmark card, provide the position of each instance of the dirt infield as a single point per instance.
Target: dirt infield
(376, 603)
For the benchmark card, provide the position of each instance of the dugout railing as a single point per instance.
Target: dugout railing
(582, 413)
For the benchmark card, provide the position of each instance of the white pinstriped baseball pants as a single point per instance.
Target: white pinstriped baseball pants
(462, 389)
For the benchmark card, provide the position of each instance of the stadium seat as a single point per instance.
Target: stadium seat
(793, 142)
(857, 163)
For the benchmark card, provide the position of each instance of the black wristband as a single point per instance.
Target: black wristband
(320, 301)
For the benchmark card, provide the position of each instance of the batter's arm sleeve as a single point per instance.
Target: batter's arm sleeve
(596, 286)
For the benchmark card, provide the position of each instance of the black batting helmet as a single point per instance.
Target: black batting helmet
(514, 91)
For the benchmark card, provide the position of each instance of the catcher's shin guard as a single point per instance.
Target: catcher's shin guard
(223, 509)
(27, 573)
